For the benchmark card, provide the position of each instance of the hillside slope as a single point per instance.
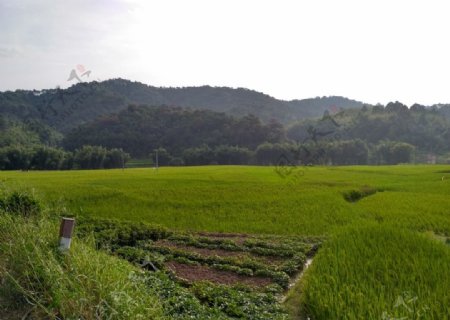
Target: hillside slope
(64, 109)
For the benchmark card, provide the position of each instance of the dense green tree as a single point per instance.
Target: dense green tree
(202, 155)
(418, 108)
(15, 158)
(314, 153)
(396, 107)
(116, 158)
(48, 158)
(140, 129)
(272, 154)
(89, 157)
(424, 128)
(232, 155)
(164, 158)
(276, 132)
(176, 161)
(348, 152)
(394, 152)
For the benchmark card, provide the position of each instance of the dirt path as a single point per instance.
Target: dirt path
(297, 278)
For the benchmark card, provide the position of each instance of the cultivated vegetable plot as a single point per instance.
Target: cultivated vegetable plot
(219, 275)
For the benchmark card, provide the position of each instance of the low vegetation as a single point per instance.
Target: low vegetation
(355, 195)
(49, 158)
(228, 242)
(239, 275)
(291, 200)
(378, 272)
(39, 281)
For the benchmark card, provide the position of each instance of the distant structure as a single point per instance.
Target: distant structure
(431, 158)
(156, 160)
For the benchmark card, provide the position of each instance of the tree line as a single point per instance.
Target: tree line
(425, 128)
(388, 134)
(141, 129)
(50, 158)
(371, 135)
(345, 152)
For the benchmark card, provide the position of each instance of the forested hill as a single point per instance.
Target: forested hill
(370, 135)
(141, 129)
(64, 109)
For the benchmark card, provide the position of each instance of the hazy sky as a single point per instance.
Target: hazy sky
(374, 51)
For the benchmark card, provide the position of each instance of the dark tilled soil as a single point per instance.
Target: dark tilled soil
(202, 251)
(193, 273)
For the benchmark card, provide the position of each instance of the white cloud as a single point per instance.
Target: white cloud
(375, 51)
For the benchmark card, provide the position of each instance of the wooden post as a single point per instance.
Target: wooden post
(65, 233)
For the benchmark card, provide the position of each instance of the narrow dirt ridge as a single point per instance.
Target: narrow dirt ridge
(297, 278)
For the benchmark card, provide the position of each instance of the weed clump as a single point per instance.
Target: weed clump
(80, 284)
(20, 203)
(110, 233)
(356, 195)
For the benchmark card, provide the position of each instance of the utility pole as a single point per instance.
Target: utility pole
(156, 156)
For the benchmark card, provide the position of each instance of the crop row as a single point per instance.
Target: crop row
(158, 255)
(153, 247)
(256, 246)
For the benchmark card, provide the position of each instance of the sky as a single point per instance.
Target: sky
(372, 51)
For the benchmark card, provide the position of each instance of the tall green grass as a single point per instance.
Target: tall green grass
(81, 284)
(310, 201)
(377, 272)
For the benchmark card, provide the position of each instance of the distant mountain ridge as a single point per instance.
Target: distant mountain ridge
(65, 109)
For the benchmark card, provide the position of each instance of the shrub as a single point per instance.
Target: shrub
(176, 161)
(240, 302)
(19, 203)
(355, 195)
(109, 232)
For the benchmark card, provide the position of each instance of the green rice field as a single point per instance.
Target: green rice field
(386, 253)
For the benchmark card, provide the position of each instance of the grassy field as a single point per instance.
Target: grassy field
(308, 201)
(371, 272)
(385, 226)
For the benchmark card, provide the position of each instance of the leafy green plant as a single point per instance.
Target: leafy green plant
(239, 302)
(110, 232)
(355, 195)
(20, 203)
